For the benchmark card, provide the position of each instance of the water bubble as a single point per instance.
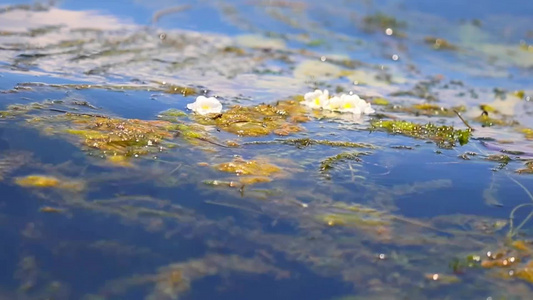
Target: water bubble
(323, 58)
(389, 31)
(395, 57)
(382, 256)
(162, 36)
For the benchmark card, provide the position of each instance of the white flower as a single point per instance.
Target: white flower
(333, 104)
(344, 104)
(204, 105)
(366, 108)
(317, 99)
(355, 105)
(350, 103)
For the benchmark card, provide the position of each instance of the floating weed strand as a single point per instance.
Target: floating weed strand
(512, 231)
(464, 121)
(234, 206)
(511, 219)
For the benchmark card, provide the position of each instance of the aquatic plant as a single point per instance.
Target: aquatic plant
(281, 118)
(439, 43)
(444, 136)
(306, 142)
(382, 21)
(513, 231)
(427, 109)
(45, 181)
(328, 163)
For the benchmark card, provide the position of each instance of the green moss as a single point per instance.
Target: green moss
(444, 136)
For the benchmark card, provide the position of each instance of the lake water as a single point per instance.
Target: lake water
(111, 188)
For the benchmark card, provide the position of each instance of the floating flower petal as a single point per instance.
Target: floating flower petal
(204, 105)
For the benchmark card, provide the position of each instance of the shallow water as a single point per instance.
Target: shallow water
(107, 195)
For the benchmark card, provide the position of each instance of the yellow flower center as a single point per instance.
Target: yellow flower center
(348, 105)
(205, 107)
(317, 101)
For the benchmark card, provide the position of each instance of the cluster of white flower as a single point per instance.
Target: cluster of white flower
(315, 100)
(343, 103)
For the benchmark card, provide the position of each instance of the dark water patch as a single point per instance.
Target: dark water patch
(264, 287)
(52, 150)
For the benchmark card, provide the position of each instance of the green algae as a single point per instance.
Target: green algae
(487, 121)
(381, 21)
(428, 109)
(160, 87)
(173, 112)
(443, 136)
(251, 167)
(329, 162)
(45, 181)
(174, 89)
(528, 168)
(306, 142)
(380, 101)
(440, 44)
(281, 118)
(349, 220)
(422, 90)
(173, 280)
(528, 133)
